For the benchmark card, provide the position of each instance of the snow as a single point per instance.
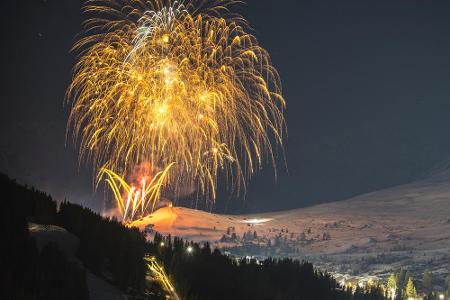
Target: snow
(399, 226)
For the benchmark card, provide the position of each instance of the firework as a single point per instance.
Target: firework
(136, 200)
(175, 83)
(160, 275)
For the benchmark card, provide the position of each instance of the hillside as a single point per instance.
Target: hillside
(98, 288)
(74, 253)
(405, 226)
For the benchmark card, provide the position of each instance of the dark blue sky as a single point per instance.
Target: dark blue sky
(366, 84)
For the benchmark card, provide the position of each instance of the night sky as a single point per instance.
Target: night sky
(366, 84)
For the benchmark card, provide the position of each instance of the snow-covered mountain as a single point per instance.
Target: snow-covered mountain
(404, 226)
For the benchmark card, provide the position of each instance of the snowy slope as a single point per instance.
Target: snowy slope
(408, 225)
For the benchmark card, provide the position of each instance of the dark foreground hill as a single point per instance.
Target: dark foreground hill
(115, 253)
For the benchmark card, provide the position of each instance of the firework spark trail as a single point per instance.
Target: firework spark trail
(175, 82)
(160, 275)
(135, 201)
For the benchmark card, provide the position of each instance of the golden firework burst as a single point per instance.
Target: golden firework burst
(175, 82)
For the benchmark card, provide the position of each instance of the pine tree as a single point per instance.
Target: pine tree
(392, 286)
(401, 275)
(427, 281)
(448, 285)
(406, 278)
(411, 292)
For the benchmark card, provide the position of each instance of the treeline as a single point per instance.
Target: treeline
(108, 248)
(26, 272)
(201, 273)
(401, 286)
(105, 246)
(33, 204)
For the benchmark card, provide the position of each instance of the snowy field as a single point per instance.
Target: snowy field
(372, 234)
